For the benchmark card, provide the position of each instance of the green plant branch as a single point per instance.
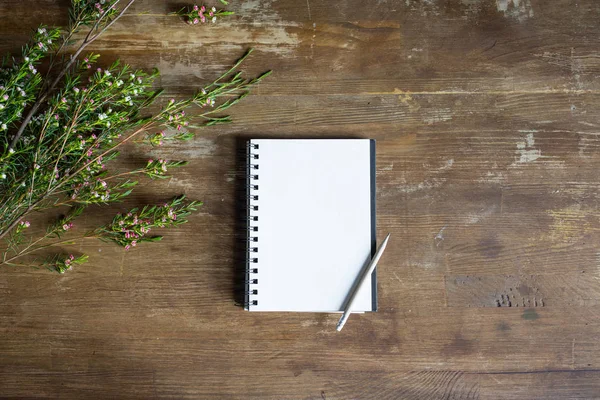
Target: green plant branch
(62, 73)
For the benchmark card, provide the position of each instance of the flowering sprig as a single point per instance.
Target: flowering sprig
(196, 14)
(63, 223)
(158, 168)
(20, 81)
(62, 263)
(127, 230)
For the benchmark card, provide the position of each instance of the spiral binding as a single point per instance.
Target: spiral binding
(251, 281)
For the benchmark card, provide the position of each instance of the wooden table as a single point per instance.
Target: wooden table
(487, 126)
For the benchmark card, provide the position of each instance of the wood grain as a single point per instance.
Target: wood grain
(487, 120)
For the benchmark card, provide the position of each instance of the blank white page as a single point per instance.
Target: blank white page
(315, 232)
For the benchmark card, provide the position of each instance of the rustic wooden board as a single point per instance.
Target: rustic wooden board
(487, 117)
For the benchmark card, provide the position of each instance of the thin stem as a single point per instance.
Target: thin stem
(23, 253)
(63, 44)
(60, 153)
(136, 171)
(18, 218)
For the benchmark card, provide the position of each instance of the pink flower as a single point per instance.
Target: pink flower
(133, 243)
(195, 21)
(127, 247)
(202, 9)
(65, 227)
(195, 7)
(210, 14)
(203, 19)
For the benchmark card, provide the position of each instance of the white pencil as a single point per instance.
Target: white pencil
(367, 272)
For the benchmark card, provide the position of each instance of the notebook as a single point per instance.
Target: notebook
(311, 230)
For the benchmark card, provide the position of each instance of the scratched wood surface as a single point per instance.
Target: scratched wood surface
(486, 114)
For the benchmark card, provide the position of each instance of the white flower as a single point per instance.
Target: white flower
(108, 124)
(107, 72)
(1, 106)
(4, 128)
(26, 59)
(132, 76)
(214, 19)
(213, 9)
(127, 98)
(119, 83)
(101, 116)
(76, 90)
(3, 175)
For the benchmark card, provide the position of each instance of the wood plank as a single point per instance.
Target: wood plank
(486, 115)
